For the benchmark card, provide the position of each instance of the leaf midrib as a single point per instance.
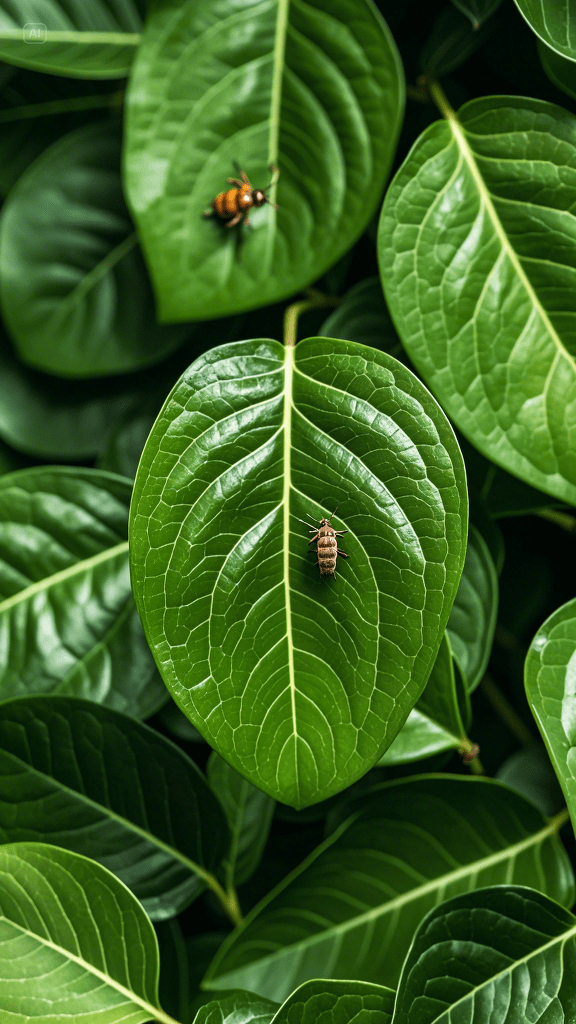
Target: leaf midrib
(107, 812)
(459, 134)
(508, 852)
(58, 577)
(563, 938)
(83, 38)
(154, 1012)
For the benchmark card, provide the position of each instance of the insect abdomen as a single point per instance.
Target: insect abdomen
(327, 548)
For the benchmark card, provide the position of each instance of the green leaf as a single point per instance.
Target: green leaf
(337, 1002)
(503, 955)
(176, 722)
(73, 285)
(529, 772)
(473, 616)
(477, 10)
(86, 778)
(560, 70)
(362, 316)
(122, 453)
(74, 942)
(67, 617)
(312, 86)
(435, 724)
(174, 985)
(249, 813)
(351, 908)
(451, 42)
(240, 1007)
(550, 676)
(76, 38)
(553, 23)
(55, 419)
(299, 682)
(476, 255)
(502, 494)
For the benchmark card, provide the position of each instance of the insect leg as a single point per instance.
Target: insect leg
(343, 553)
(234, 220)
(340, 533)
(234, 181)
(312, 539)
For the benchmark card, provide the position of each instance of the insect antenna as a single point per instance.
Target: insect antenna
(335, 511)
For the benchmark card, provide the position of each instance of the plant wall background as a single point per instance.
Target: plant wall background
(230, 786)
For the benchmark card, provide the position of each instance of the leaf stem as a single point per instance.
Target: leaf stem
(227, 898)
(66, 106)
(295, 311)
(469, 753)
(438, 95)
(507, 713)
(561, 519)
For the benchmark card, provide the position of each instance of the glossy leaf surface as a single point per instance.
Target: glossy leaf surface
(351, 908)
(435, 724)
(249, 813)
(362, 316)
(312, 86)
(473, 616)
(74, 289)
(85, 778)
(478, 263)
(550, 676)
(67, 617)
(81, 39)
(299, 682)
(560, 70)
(503, 955)
(337, 1002)
(74, 942)
(553, 22)
(241, 1007)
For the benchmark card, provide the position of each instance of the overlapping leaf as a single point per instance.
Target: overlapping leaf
(362, 316)
(73, 285)
(249, 813)
(551, 689)
(74, 942)
(504, 955)
(86, 778)
(473, 616)
(299, 682)
(478, 262)
(337, 1002)
(435, 724)
(312, 86)
(477, 10)
(352, 906)
(67, 617)
(553, 22)
(78, 38)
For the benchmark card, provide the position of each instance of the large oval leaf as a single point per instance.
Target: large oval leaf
(79, 38)
(351, 908)
(312, 86)
(550, 676)
(75, 944)
(73, 285)
(504, 955)
(337, 1002)
(553, 22)
(67, 617)
(299, 682)
(85, 778)
(249, 812)
(478, 262)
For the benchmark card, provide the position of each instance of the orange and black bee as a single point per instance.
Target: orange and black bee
(233, 205)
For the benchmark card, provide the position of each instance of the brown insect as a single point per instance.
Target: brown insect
(233, 205)
(326, 544)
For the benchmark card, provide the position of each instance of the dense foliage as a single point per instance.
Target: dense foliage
(232, 787)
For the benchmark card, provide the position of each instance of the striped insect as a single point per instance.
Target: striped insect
(233, 206)
(326, 538)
